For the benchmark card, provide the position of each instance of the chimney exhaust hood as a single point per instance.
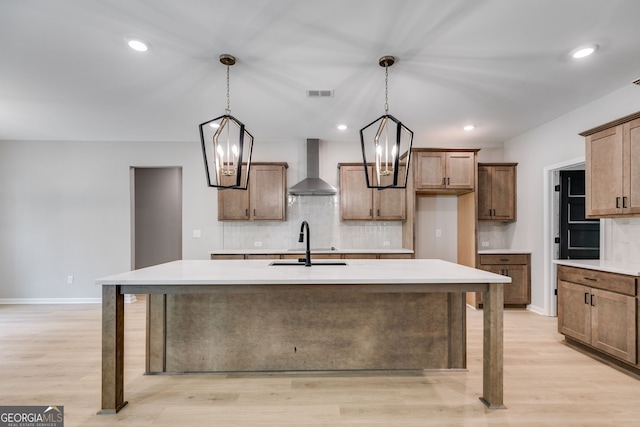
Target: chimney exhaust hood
(312, 185)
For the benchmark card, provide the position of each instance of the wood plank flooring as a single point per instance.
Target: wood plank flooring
(50, 355)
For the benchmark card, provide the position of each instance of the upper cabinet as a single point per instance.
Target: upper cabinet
(497, 191)
(358, 202)
(264, 199)
(444, 171)
(613, 169)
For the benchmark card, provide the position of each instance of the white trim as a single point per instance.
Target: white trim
(536, 309)
(549, 273)
(127, 299)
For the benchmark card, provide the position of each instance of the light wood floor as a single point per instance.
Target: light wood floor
(50, 355)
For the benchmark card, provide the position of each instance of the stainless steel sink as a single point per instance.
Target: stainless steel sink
(301, 264)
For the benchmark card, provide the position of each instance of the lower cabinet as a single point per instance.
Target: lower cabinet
(599, 309)
(517, 294)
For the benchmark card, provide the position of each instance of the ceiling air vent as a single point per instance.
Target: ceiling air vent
(637, 82)
(319, 93)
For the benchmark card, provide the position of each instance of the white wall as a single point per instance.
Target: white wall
(66, 209)
(436, 227)
(552, 143)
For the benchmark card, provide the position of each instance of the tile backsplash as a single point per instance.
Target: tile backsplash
(323, 215)
(622, 240)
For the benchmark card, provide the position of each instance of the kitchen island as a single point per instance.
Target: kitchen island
(333, 309)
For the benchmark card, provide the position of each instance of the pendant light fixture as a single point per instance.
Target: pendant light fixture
(386, 144)
(226, 146)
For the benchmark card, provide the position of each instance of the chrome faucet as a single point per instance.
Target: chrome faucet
(307, 258)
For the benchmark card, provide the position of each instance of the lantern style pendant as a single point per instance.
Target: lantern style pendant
(226, 146)
(386, 145)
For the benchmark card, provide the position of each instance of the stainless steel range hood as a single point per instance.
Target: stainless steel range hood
(312, 185)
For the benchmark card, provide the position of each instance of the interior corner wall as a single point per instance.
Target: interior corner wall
(66, 212)
(552, 143)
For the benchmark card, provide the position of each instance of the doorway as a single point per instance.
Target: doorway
(579, 237)
(156, 215)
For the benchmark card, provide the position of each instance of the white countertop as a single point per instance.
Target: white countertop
(260, 251)
(259, 272)
(503, 251)
(596, 264)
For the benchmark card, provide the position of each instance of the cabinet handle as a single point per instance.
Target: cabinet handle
(378, 212)
(444, 181)
(448, 181)
(592, 304)
(504, 259)
(624, 202)
(494, 212)
(586, 297)
(371, 213)
(246, 213)
(490, 212)
(591, 279)
(254, 212)
(617, 202)
(506, 272)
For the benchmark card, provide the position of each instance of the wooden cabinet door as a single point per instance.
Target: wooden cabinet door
(389, 204)
(233, 205)
(485, 205)
(503, 193)
(613, 324)
(267, 192)
(430, 170)
(356, 199)
(574, 311)
(604, 173)
(517, 292)
(460, 170)
(631, 167)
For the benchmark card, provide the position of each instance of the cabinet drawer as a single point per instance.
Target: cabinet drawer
(226, 257)
(396, 256)
(598, 279)
(497, 259)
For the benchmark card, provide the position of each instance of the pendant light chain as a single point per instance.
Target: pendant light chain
(228, 110)
(386, 89)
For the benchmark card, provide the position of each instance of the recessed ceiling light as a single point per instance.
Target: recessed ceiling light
(342, 127)
(469, 127)
(138, 45)
(584, 51)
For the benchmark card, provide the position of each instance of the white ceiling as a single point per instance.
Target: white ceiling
(66, 72)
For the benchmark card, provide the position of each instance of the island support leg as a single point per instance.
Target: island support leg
(112, 350)
(492, 366)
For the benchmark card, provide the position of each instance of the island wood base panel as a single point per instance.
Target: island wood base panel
(305, 330)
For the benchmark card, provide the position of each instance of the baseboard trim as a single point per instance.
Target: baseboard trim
(538, 310)
(127, 299)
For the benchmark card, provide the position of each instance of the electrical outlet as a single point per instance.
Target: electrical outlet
(197, 234)
(70, 280)
(438, 232)
(386, 243)
(485, 244)
(257, 244)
